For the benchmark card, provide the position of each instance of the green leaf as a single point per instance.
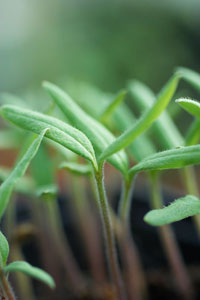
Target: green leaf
(170, 159)
(144, 98)
(141, 146)
(4, 250)
(34, 272)
(95, 101)
(108, 111)
(191, 106)
(76, 168)
(180, 209)
(59, 131)
(19, 170)
(190, 76)
(95, 131)
(145, 120)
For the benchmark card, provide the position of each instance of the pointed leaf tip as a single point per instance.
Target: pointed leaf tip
(191, 106)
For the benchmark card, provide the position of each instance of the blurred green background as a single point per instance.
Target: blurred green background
(101, 42)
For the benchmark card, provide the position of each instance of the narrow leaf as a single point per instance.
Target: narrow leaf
(34, 272)
(180, 209)
(145, 121)
(108, 111)
(144, 98)
(19, 170)
(76, 168)
(170, 159)
(142, 145)
(191, 106)
(59, 131)
(4, 250)
(99, 135)
(95, 101)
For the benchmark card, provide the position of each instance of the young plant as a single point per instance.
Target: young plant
(5, 192)
(89, 139)
(77, 142)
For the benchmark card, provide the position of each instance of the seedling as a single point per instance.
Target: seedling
(5, 192)
(94, 142)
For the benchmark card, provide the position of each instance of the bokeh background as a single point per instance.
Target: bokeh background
(101, 42)
(104, 44)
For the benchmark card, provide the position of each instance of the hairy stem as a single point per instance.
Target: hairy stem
(170, 245)
(89, 231)
(109, 237)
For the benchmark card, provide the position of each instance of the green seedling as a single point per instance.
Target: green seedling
(58, 131)
(95, 143)
(5, 193)
(99, 136)
(184, 207)
(18, 266)
(144, 98)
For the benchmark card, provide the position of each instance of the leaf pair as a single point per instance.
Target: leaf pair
(58, 131)
(26, 268)
(5, 193)
(99, 135)
(189, 205)
(171, 159)
(21, 266)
